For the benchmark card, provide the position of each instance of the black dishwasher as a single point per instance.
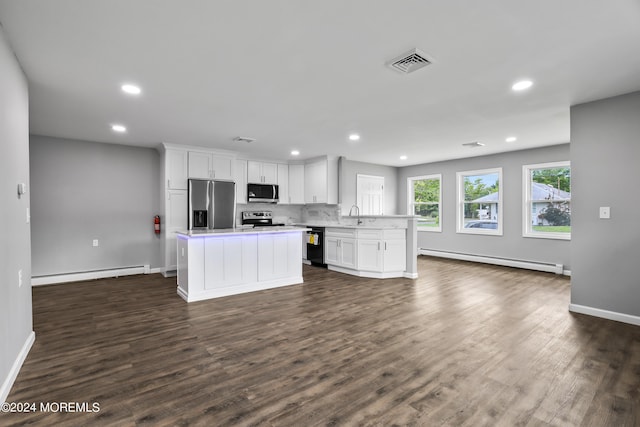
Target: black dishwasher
(315, 246)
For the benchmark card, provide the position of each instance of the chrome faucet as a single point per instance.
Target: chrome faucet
(357, 213)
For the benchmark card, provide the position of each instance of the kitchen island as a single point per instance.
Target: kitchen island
(218, 263)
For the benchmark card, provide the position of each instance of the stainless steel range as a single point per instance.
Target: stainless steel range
(259, 219)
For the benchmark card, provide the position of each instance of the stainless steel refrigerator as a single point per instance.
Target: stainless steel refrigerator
(212, 204)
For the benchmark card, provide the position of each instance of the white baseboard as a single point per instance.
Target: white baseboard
(529, 265)
(15, 368)
(91, 275)
(371, 274)
(238, 289)
(605, 314)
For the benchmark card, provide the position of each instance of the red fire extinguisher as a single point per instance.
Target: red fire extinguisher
(156, 224)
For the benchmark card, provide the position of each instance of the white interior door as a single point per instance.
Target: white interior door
(370, 194)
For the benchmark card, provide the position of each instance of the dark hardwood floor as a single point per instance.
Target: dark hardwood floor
(464, 345)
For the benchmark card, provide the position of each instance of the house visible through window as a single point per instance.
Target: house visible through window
(424, 197)
(547, 200)
(480, 202)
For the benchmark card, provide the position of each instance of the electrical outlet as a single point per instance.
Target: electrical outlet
(605, 212)
(19, 278)
(95, 243)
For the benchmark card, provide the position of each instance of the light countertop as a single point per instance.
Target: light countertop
(363, 226)
(241, 231)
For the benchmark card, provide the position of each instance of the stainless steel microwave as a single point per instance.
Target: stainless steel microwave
(262, 193)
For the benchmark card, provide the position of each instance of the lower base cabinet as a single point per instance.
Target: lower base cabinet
(230, 261)
(340, 251)
(280, 256)
(366, 252)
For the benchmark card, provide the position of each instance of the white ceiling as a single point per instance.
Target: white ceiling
(304, 75)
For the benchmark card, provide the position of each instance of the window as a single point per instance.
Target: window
(547, 200)
(424, 198)
(480, 202)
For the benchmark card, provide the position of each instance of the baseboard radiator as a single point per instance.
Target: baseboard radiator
(529, 265)
(90, 275)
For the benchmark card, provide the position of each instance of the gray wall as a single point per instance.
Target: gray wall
(605, 152)
(511, 244)
(15, 302)
(86, 190)
(347, 182)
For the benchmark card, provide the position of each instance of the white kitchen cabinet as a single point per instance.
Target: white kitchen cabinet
(200, 165)
(283, 184)
(315, 182)
(382, 251)
(340, 248)
(176, 169)
(367, 252)
(340, 252)
(279, 256)
(321, 181)
(296, 184)
(230, 261)
(204, 165)
(262, 173)
(176, 219)
(177, 210)
(395, 255)
(240, 172)
(369, 255)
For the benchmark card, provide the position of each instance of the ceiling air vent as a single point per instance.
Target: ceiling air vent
(243, 139)
(410, 61)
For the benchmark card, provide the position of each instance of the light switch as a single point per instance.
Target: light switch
(605, 212)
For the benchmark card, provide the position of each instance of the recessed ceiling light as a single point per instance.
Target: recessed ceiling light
(522, 85)
(295, 153)
(118, 128)
(511, 139)
(403, 157)
(473, 144)
(354, 137)
(131, 89)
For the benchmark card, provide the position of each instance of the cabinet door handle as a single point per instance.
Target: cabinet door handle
(378, 245)
(385, 246)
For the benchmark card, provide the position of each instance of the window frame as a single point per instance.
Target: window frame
(460, 177)
(411, 200)
(527, 224)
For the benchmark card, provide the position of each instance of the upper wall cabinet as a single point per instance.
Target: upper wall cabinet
(262, 173)
(283, 184)
(241, 181)
(204, 165)
(296, 184)
(176, 169)
(321, 181)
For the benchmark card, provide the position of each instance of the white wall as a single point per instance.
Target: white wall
(16, 325)
(605, 153)
(511, 244)
(83, 191)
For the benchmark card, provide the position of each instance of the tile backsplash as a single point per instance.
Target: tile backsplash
(321, 214)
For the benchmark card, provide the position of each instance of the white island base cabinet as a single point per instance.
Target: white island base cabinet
(212, 266)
